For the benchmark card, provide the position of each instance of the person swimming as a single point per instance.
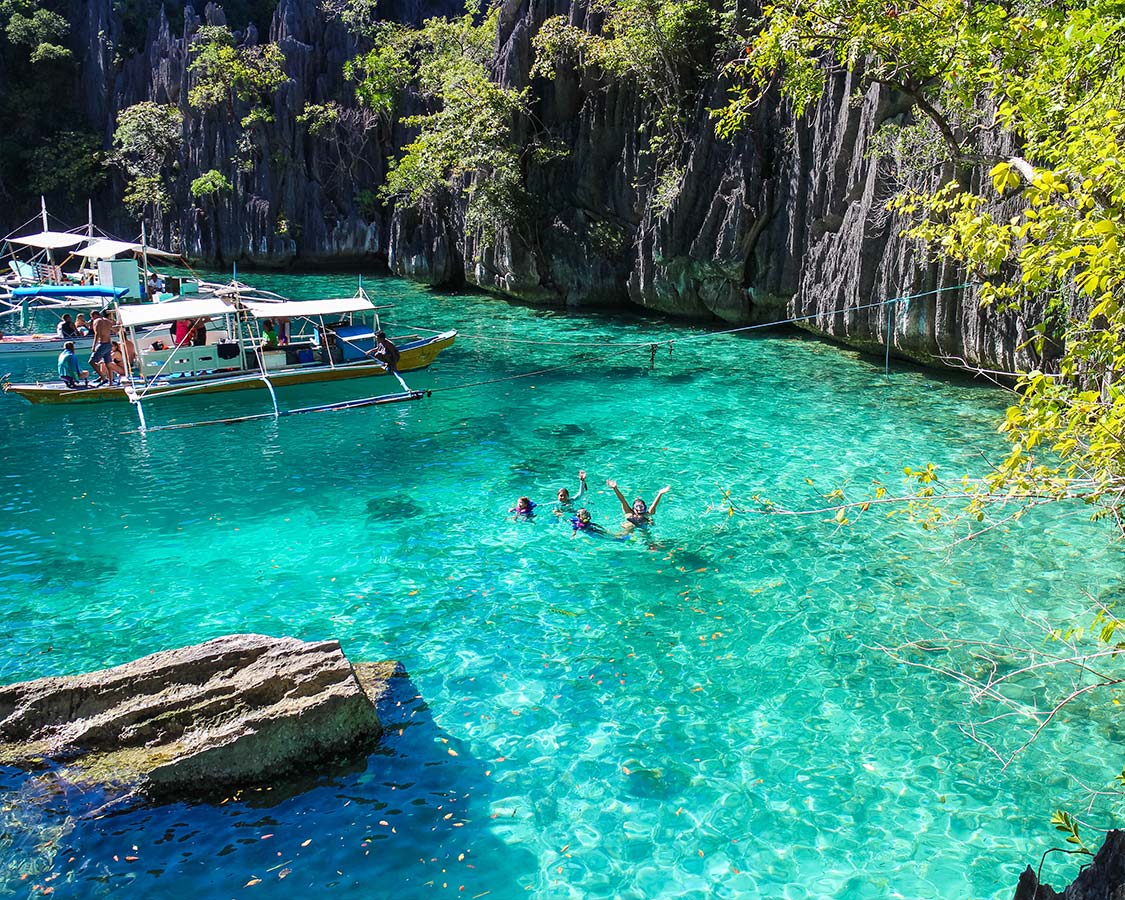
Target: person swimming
(582, 521)
(524, 508)
(638, 513)
(565, 499)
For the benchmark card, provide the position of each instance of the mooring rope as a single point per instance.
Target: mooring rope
(653, 346)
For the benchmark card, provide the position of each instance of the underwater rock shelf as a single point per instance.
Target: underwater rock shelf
(238, 710)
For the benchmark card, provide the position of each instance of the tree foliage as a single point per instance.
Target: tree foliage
(72, 163)
(1053, 76)
(228, 74)
(39, 30)
(210, 184)
(146, 138)
(661, 46)
(466, 140)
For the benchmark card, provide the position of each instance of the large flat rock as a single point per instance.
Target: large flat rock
(238, 710)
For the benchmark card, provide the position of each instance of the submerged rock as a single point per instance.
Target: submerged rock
(238, 710)
(1103, 879)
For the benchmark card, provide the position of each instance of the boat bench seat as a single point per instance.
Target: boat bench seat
(181, 360)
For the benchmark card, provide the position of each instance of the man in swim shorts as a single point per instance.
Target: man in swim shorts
(103, 347)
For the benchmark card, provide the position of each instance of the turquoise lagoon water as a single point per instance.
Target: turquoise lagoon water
(701, 711)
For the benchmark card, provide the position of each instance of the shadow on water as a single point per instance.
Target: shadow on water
(392, 508)
(416, 816)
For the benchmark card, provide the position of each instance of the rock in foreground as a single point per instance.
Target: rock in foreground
(238, 710)
(1103, 879)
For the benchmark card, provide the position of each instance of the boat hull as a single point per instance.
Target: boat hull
(414, 356)
(18, 347)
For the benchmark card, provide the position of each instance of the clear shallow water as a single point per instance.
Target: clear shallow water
(696, 712)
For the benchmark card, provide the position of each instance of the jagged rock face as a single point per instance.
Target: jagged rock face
(1104, 879)
(786, 221)
(238, 710)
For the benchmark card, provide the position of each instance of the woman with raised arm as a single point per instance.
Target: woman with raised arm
(639, 513)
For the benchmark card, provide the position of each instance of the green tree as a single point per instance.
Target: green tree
(35, 28)
(663, 47)
(227, 75)
(466, 141)
(210, 184)
(1052, 77)
(147, 137)
(73, 163)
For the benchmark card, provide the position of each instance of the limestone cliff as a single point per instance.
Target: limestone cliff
(787, 221)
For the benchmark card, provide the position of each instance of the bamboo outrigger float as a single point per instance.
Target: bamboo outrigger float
(237, 356)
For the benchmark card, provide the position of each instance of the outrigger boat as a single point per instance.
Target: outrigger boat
(237, 355)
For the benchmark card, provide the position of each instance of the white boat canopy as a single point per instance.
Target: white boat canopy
(105, 249)
(155, 313)
(305, 308)
(49, 240)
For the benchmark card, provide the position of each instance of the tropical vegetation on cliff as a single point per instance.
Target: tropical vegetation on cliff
(1048, 221)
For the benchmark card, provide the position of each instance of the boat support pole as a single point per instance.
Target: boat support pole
(141, 415)
(273, 396)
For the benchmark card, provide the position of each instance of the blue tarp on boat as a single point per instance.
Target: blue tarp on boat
(79, 291)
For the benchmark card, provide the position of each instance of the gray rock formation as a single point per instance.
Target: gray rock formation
(1103, 879)
(237, 710)
(786, 221)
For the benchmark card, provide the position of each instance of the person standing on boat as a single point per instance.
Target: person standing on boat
(66, 327)
(102, 327)
(69, 373)
(639, 513)
(181, 332)
(385, 352)
(199, 333)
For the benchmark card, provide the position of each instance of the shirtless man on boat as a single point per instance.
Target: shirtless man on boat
(102, 353)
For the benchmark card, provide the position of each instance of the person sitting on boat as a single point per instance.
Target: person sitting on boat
(82, 326)
(66, 327)
(117, 362)
(128, 353)
(269, 335)
(100, 356)
(524, 509)
(199, 333)
(69, 373)
(566, 499)
(583, 521)
(639, 513)
(385, 352)
(155, 285)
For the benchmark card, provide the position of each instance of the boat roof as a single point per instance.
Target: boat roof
(305, 308)
(105, 249)
(55, 291)
(155, 313)
(49, 240)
